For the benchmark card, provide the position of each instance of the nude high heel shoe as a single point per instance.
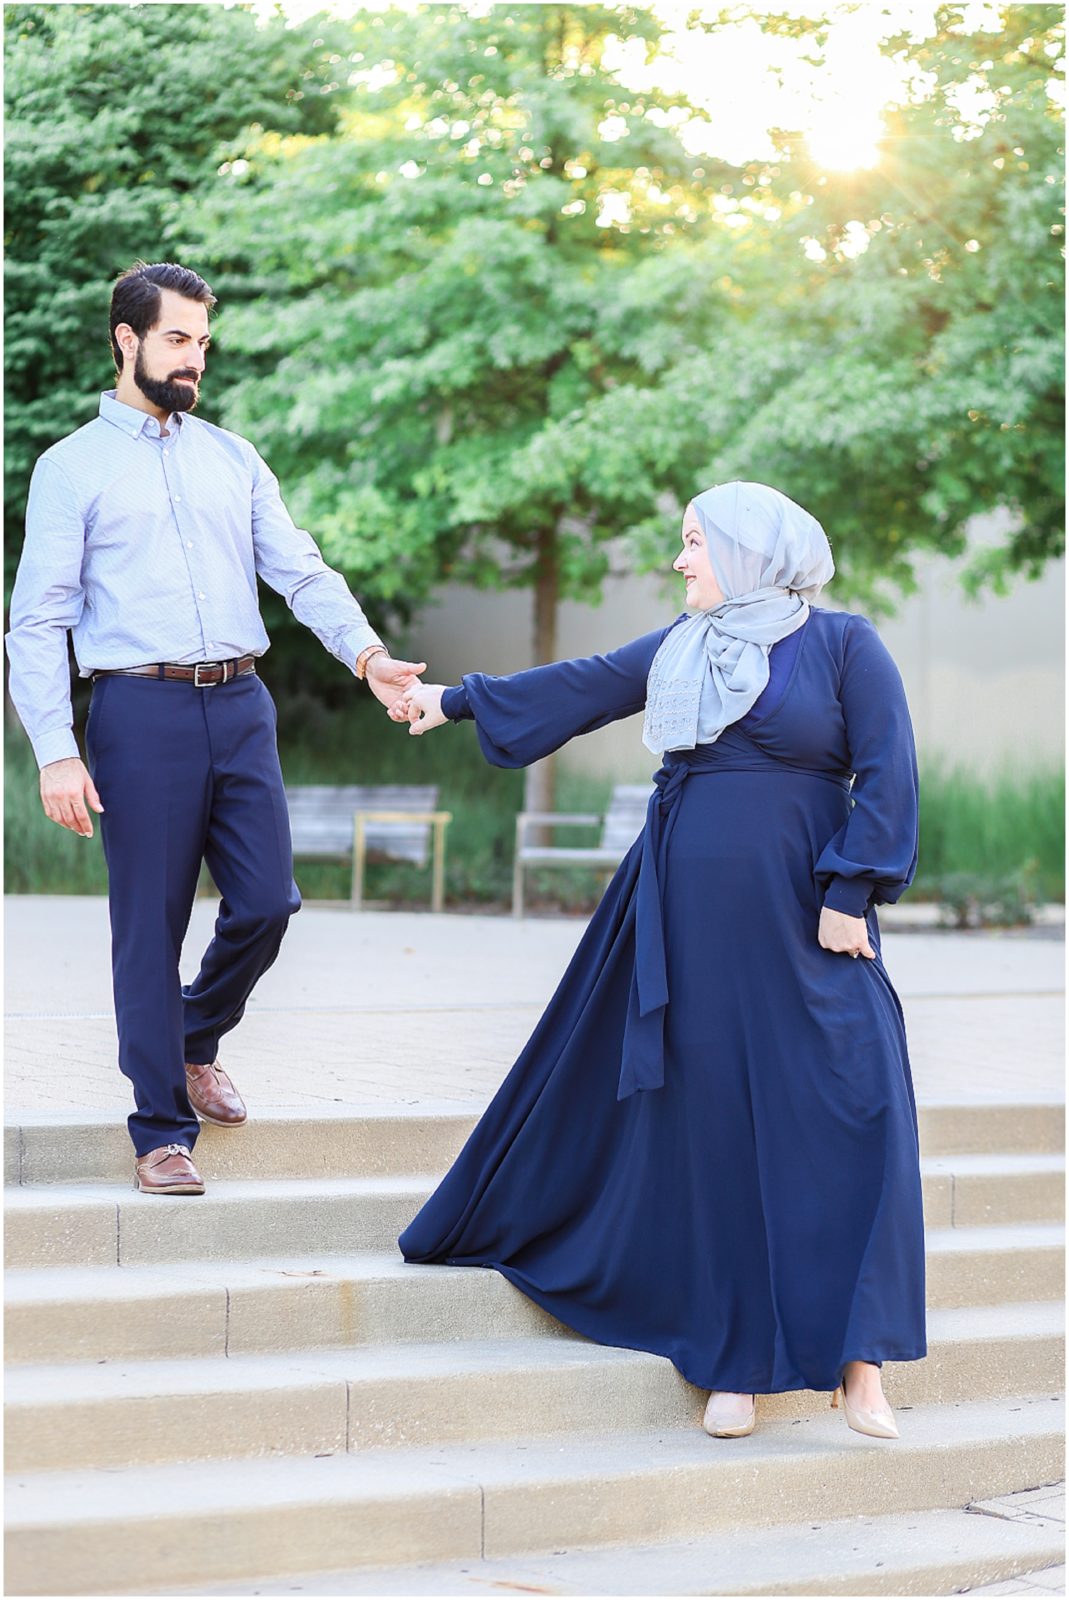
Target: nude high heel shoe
(728, 1430)
(877, 1423)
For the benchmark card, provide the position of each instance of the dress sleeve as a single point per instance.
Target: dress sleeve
(527, 715)
(873, 857)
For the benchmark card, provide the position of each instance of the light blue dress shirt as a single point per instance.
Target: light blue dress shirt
(146, 543)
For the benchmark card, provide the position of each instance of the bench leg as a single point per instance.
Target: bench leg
(356, 898)
(438, 884)
(517, 887)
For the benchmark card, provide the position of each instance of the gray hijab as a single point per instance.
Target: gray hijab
(770, 558)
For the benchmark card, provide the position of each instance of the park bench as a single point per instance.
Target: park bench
(395, 821)
(621, 826)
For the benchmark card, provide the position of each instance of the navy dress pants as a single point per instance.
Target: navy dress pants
(186, 775)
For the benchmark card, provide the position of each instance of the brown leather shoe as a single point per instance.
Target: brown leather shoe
(213, 1096)
(168, 1170)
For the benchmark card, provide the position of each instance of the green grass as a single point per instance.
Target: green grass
(39, 857)
(993, 829)
(1010, 823)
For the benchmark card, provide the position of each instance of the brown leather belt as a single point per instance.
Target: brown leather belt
(202, 674)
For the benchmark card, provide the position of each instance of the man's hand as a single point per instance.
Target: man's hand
(422, 706)
(843, 934)
(66, 788)
(388, 679)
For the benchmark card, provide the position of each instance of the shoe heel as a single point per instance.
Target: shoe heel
(835, 1396)
(867, 1422)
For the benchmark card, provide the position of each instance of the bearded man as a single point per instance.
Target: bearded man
(146, 531)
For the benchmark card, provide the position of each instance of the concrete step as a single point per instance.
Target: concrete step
(992, 1188)
(191, 1308)
(987, 1266)
(94, 1532)
(390, 1141)
(107, 1224)
(908, 1553)
(101, 1224)
(381, 1142)
(286, 1303)
(204, 1308)
(116, 1413)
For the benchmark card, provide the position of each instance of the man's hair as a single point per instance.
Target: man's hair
(135, 298)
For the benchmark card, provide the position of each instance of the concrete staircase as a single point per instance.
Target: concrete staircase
(249, 1391)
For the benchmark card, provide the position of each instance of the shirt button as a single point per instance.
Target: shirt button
(178, 499)
(201, 596)
(189, 544)
(167, 452)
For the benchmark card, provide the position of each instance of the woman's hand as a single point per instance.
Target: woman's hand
(846, 935)
(421, 707)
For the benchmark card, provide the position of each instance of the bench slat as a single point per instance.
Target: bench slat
(321, 819)
(548, 856)
(623, 823)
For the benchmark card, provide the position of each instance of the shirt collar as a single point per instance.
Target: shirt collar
(130, 419)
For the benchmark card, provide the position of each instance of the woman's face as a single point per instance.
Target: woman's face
(703, 591)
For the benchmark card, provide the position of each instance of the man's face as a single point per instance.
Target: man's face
(171, 357)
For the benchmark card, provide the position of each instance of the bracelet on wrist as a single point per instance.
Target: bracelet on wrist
(365, 656)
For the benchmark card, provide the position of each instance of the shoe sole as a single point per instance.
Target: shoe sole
(731, 1433)
(176, 1188)
(222, 1122)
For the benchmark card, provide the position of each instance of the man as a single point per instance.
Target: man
(145, 533)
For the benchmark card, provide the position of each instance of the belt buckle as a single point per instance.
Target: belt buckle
(196, 673)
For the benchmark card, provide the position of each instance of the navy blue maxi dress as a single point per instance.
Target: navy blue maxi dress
(708, 1147)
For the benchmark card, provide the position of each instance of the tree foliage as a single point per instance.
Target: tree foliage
(452, 291)
(113, 114)
(488, 318)
(918, 375)
(512, 325)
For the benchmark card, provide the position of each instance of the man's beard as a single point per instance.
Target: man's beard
(164, 392)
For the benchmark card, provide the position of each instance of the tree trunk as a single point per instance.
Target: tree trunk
(540, 787)
(540, 784)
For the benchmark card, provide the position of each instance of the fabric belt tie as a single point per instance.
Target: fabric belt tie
(202, 674)
(642, 1064)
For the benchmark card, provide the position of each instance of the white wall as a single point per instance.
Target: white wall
(985, 679)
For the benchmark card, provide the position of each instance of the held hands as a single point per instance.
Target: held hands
(66, 788)
(388, 679)
(846, 935)
(421, 708)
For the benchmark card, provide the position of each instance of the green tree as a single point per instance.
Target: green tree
(511, 322)
(489, 320)
(112, 114)
(901, 368)
(449, 289)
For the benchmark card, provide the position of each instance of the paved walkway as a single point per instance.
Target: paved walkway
(405, 1008)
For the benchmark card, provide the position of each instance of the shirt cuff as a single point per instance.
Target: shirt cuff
(59, 744)
(455, 704)
(851, 896)
(355, 646)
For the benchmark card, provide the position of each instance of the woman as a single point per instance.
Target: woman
(708, 1148)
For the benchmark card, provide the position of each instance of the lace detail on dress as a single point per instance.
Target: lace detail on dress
(671, 721)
